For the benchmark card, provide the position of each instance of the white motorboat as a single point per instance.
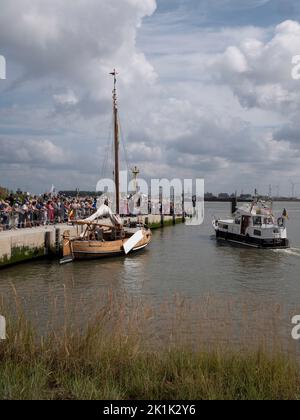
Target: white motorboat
(254, 225)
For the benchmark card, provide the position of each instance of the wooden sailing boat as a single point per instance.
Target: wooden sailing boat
(110, 238)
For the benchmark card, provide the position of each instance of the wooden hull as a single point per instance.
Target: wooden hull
(81, 249)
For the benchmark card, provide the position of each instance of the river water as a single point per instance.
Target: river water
(183, 262)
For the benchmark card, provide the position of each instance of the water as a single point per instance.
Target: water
(181, 261)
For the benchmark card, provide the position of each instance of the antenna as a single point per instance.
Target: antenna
(270, 191)
(294, 184)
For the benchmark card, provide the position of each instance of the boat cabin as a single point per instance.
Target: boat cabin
(253, 225)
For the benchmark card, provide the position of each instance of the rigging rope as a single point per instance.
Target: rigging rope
(108, 148)
(124, 147)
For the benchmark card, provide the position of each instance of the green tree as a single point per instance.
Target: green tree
(3, 193)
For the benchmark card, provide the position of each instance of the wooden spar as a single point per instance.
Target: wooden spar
(116, 138)
(83, 223)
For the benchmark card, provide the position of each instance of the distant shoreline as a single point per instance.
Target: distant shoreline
(240, 200)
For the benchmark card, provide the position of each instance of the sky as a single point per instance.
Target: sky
(205, 90)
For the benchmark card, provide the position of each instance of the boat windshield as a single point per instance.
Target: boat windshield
(268, 221)
(257, 221)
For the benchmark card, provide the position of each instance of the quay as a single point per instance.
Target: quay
(17, 246)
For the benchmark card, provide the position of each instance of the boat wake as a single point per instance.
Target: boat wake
(295, 252)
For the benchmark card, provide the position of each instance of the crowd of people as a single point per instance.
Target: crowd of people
(25, 211)
(22, 210)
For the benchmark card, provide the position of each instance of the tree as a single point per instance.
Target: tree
(3, 193)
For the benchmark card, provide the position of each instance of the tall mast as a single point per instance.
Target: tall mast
(116, 138)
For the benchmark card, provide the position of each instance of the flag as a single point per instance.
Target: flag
(285, 214)
(52, 190)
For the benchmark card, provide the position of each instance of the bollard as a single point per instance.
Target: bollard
(234, 205)
(172, 206)
(57, 241)
(150, 201)
(47, 243)
(161, 207)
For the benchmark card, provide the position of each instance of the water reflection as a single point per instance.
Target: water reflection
(134, 275)
(181, 260)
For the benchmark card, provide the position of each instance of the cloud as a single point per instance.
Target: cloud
(36, 164)
(31, 152)
(203, 128)
(60, 56)
(234, 61)
(238, 5)
(76, 41)
(259, 73)
(229, 13)
(68, 98)
(194, 99)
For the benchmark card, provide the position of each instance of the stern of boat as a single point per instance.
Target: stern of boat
(67, 248)
(145, 241)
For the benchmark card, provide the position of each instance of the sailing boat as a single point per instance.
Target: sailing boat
(104, 234)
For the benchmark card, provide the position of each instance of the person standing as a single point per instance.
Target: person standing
(51, 214)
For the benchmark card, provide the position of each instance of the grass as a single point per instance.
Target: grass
(112, 357)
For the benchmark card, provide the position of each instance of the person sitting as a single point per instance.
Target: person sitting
(99, 234)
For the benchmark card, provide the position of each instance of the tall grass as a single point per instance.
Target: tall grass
(119, 354)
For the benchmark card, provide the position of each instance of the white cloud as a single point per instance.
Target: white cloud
(76, 40)
(218, 102)
(32, 152)
(259, 72)
(234, 61)
(68, 98)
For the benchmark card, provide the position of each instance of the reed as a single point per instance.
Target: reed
(121, 354)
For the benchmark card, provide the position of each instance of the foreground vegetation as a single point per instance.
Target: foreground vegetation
(113, 363)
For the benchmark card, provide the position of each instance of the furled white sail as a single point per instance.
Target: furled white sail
(104, 211)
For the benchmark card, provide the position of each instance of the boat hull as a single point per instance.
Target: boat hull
(81, 249)
(252, 242)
